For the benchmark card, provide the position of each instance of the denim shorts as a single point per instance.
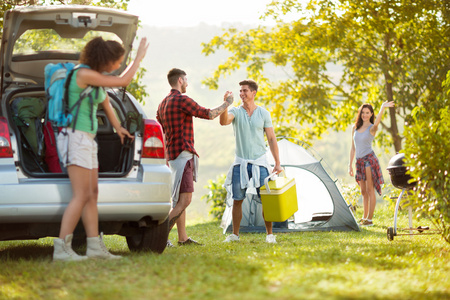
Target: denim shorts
(238, 192)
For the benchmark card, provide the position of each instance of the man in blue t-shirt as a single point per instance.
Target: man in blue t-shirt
(250, 166)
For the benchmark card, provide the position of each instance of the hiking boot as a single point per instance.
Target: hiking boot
(97, 249)
(169, 244)
(232, 238)
(367, 223)
(62, 250)
(271, 239)
(189, 241)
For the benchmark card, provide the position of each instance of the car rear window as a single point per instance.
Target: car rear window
(42, 40)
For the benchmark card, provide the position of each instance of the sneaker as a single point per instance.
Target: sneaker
(271, 239)
(232, 238)
(189, 241)
(169, 244)
(367, 223)
(361, 221)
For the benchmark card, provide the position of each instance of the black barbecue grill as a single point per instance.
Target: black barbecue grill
(397, 171)
(401, 180)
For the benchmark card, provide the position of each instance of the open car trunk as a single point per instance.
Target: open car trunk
(58, 34)
(35, 136)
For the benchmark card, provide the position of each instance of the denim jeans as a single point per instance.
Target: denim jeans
(238, 191)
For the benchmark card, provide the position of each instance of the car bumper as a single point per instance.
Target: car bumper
(118, 200)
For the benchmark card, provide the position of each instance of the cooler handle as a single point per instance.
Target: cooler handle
(266, 180)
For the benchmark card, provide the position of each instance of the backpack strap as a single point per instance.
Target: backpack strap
(87, 92)
(66, 96)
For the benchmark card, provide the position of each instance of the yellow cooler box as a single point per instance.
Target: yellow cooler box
(279, 199)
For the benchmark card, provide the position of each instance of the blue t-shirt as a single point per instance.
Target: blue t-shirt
(249, 131)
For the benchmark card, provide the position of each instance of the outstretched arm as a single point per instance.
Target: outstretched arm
(227, 101)
(122, 132)
(272, 139)
(374, 128)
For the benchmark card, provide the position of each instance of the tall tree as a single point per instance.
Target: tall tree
(336, 55)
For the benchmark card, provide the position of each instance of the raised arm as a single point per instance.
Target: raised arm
(273, 145)
(90, 77)
(225, 117)
(227, 101)
(374, 128)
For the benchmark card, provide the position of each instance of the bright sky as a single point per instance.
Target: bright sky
(192, 12)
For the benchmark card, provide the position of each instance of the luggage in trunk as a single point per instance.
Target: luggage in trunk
(37, 147)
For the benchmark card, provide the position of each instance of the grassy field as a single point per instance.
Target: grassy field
(319, 265)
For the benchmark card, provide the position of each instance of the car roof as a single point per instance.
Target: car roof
(67, 21)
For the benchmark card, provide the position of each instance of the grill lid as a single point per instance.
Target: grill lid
(397, 172)
(396, 161)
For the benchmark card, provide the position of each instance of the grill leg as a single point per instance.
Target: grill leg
(396, 211)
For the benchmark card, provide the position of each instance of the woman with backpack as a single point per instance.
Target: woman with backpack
(98, 58)
(368, 172)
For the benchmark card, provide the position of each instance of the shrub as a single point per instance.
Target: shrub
(427, 149)
(352, 194)
(216, 197)
(390, 195)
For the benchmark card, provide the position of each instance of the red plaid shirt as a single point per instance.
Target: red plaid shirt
(175, 114)
(377, 176)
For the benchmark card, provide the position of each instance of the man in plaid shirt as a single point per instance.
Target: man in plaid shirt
(175, 114)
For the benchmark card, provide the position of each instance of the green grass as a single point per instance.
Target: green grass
(315, 265)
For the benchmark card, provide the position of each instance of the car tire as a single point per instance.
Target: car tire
(152, 239)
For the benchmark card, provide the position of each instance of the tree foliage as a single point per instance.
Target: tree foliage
(216, 196)
(137, 88)
(315, 71)
(427, 150)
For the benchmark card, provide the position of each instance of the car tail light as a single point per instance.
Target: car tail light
(5, 141)
(153, 146)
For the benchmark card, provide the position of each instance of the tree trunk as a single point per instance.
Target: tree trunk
(393, 130)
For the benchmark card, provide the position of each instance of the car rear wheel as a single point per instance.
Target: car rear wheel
(150, 238)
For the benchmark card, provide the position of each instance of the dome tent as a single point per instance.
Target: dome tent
(321, 206)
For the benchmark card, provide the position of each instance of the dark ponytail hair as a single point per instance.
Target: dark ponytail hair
(98, 53)
(359, 121)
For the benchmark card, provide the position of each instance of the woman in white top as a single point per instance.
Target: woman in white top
(368, 171)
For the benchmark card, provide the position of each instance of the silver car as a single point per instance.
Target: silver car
(134, 181)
